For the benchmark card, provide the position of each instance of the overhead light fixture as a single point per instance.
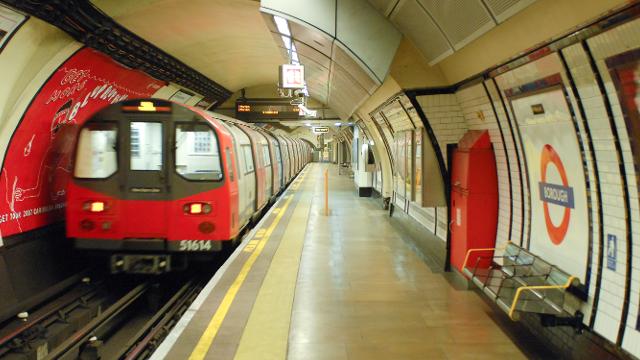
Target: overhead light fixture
(282, 25)
(338, 124)
(283, 28)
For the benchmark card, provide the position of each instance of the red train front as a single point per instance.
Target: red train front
(150, 187)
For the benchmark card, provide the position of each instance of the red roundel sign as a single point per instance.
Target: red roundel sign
(555, 194)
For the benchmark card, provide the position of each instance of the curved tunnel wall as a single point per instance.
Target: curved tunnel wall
(48, 79)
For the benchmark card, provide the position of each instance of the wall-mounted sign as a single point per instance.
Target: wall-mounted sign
(292, 76)
(181, 96)
(559, 210)
(320, 129)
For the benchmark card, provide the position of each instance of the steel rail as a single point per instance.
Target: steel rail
(82, 336)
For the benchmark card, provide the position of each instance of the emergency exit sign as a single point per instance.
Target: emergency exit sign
(320, 130)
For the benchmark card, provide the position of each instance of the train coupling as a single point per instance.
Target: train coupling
(140, 263)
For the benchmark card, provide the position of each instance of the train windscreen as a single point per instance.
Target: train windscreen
(96, 156)
(146, 146)
(197, 154)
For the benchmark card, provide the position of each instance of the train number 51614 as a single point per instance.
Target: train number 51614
(195, 245)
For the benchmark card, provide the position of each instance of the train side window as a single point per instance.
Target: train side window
(96, 156)
(265, 155)
(248, 158)
(229, 163)
(146, 146)
(197, 154)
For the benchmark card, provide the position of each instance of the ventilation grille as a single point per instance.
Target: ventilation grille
(418, 26)
(460, 20)
(504, 9)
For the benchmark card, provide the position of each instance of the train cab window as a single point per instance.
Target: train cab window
(146, 146)
(265, 155)
(97, 156)
(197, 155)
(248, 158)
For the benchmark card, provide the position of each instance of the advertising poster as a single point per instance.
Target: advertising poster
(559, 211)
(37, 162)
(9, 22)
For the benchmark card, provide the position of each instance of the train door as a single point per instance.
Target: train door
(276, 166)
(284, 152)
(265, 153)
(294, 161)
(246, 175)
(259, 168)
(278, 153)
(145, 178)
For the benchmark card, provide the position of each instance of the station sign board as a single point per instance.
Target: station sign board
(320, 129)
(292, 76)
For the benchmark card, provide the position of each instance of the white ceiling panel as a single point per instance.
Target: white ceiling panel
(345, 94)
(354, 69)
(418, 26)
(368, 34)
(312, 54)
(319, 13)
(460, 20)
(315, 39)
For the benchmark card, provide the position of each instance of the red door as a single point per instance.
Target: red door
(474, 200)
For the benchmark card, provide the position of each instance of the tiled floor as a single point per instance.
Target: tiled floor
(343, 286)
(363, 294)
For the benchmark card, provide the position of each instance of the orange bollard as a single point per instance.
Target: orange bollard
(326, 192)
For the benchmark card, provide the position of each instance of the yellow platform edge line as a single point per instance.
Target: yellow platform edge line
(266, 334)
(205, 341)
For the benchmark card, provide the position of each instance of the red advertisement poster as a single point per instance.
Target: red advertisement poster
(37, 163)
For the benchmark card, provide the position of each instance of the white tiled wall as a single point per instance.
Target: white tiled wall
(615, 41)
(446, 119)
(448, 124)
(584, 81)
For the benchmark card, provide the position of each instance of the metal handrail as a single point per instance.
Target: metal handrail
(512, 309)
(466, 258)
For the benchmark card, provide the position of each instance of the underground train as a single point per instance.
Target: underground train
(157, 184)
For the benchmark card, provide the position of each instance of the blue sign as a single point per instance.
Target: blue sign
(556, 194)
(612, 251)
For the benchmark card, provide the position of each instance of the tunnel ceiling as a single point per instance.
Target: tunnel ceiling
(236, 45)
(438, 28)
(228, 41)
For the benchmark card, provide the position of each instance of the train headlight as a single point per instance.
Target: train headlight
(94, 206)
(197, 208)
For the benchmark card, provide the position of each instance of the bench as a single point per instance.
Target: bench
(521, 282)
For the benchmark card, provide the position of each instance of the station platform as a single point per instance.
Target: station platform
(343, 286)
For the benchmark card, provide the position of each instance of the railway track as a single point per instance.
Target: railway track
(100, 320)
